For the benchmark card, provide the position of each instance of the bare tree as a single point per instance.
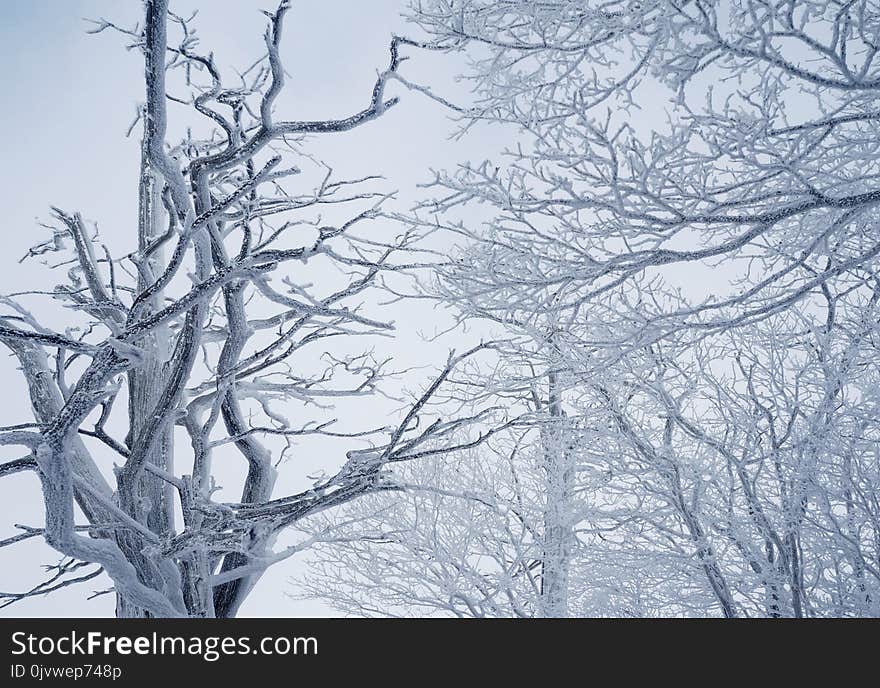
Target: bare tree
(762, 170)
(486, 532)
(759, 448)
(762, 162)
(736, 478)
(483, 533)
(698, 282)
(195, 348)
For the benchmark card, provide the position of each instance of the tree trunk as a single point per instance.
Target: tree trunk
(558, 527)
(150, 499)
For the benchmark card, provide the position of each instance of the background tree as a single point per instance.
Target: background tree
(486, 531)
(682, 234)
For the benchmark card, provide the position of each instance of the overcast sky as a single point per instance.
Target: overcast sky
(69, 98)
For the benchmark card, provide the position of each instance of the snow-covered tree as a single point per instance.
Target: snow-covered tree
(682, 236)
(243, 303)
(486, 531)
